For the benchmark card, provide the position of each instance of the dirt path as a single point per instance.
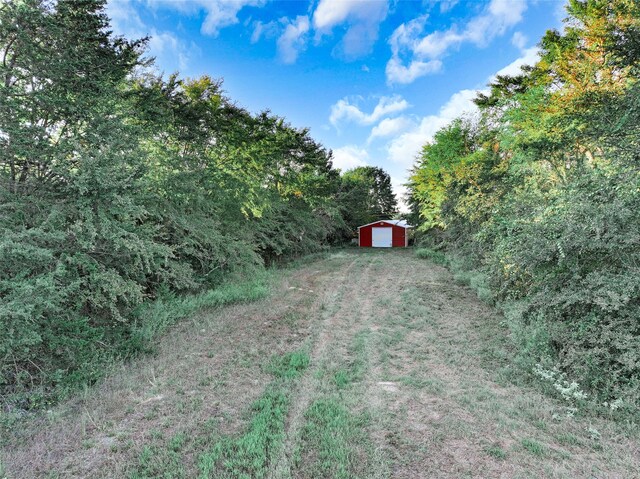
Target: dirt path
(407, 379)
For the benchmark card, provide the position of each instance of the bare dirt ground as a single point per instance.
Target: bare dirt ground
(407, 379)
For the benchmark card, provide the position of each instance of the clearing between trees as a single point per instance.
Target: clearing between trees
(364, 364)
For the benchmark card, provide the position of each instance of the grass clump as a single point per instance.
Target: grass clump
(533, 447)
(163, 460)
(331, 431)
(342, 378)
(433, 255)
(249, 455)
(290, 365)
(496, 451)
(568, 439)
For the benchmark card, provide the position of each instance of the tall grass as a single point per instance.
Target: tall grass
(463, 271)
(152, 319)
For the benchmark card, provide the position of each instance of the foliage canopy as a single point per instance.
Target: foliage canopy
(119, 187)
(541, 193)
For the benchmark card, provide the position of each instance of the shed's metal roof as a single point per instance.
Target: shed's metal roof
(401, 223)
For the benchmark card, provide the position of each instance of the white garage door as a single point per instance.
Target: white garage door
(381, 237)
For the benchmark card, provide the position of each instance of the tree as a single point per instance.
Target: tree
(365, 196)
(542, 197)
(119, 187)
(76, 247)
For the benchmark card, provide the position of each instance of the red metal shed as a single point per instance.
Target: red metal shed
(384, 234)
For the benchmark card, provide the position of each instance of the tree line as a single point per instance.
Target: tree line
(119, 187)
(539, 196)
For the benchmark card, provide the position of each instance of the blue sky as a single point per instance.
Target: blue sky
(372, 80)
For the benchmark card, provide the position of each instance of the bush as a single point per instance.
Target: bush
(435, 256)
(571, 269)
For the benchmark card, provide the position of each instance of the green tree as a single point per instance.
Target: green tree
(541, 195)
(75, 248)
(365, 196)
(118, 187)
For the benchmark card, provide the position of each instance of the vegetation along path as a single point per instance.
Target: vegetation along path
(364, 364)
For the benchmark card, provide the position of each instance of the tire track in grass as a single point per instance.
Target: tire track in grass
(249, 455)
(334, 440)
(326, 324)
(252, 453)
(257, 452)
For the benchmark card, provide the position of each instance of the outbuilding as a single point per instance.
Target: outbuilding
(384, 234)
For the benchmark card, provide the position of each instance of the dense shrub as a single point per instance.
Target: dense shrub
(120, 191)
(540, 195)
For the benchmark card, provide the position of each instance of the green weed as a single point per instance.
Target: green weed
(568, 439)
(331, 432)
(433, 255)
(289, 366)
(496, 451)
(249, 455)
(162, 460)
(533, 447)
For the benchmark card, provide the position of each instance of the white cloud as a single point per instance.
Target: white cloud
(167, 48)
(507, 12)
(347, 111)
(446, 5)
(560, 13)
(124, 17)
(293, 39)
(223, 13)
(519, 40)
(458, 104)
(436, 44)
(266, 30)
(350, 156)
(423, 52)
(404, 148)
(219, 13)
(530, 56)
(390, 126)
(406, 33)
(330, 13)
(171, 52)
(397, 185)
(398, 73)
(363, 17)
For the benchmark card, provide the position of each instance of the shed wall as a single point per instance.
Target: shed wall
(398, 238)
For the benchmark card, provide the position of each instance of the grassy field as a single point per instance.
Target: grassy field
(364, 364)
